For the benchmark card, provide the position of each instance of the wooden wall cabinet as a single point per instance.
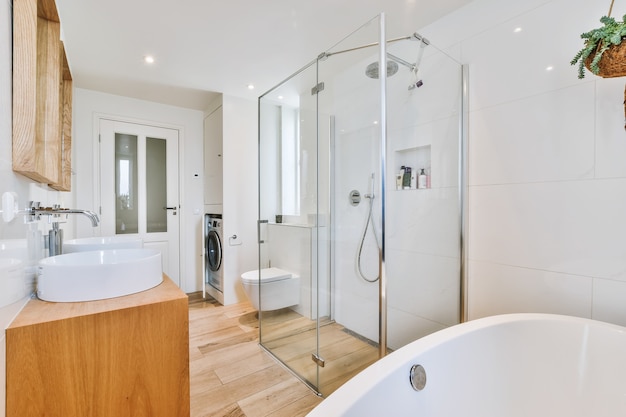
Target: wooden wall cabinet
(42, 95)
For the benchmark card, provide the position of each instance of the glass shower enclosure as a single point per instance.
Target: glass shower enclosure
(360, 204)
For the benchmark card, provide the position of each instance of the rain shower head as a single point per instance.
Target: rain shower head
(372, 70)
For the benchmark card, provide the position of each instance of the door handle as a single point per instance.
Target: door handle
(171, 208)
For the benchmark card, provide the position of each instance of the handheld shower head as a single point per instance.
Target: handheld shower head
(372, 184)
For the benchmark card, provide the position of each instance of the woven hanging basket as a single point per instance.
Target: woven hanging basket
(613, 61)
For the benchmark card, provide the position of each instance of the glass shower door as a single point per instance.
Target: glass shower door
(301, 126)
(287, 203)
(349, 142)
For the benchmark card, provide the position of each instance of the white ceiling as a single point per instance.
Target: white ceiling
(206, 46)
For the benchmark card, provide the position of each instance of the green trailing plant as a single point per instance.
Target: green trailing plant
(606, 36)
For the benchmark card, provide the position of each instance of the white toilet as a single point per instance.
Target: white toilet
(280, 288)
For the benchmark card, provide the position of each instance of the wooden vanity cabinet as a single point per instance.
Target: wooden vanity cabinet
(120, 357)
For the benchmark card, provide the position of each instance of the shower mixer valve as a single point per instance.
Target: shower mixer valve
(355, 197)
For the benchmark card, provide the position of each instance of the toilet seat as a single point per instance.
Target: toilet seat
(267, 275)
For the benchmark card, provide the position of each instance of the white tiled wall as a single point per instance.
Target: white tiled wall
(422, 226)
(547, 173)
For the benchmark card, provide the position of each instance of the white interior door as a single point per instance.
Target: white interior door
(139, 187)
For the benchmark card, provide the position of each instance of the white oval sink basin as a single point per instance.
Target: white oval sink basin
(12, 281)
(102, 243)
(97, 275)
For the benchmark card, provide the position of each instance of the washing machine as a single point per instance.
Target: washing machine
(213, 251)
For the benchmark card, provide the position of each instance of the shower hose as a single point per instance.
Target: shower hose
(369, 222)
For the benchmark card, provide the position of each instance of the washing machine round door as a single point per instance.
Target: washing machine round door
(214, 251)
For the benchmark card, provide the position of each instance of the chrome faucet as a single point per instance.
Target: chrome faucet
(35, 212)
(55, 235)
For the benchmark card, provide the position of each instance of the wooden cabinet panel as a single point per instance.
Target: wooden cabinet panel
(39, 64)
(47, 122)
(65, 116)
(24, 84)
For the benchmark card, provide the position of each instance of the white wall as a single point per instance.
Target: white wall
(89, 103)
(240, 193)
(547, 173)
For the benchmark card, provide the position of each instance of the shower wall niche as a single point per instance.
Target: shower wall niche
(419, 160)
(321, 139)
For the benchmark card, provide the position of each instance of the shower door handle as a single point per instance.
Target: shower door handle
(259, 223)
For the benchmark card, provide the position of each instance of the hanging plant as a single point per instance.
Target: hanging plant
(604, 53)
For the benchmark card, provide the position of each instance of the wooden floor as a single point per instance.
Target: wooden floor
(293, 338)
(231, 375)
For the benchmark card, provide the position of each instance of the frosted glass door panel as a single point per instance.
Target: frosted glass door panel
(126, 213)
(156, 185)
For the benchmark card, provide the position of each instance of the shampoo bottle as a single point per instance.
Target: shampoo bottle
(406, 179)
(421, 179)
(399, 177)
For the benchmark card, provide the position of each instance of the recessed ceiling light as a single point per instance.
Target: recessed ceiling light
(250, 86)
(549, 68)
(280, 97)
(517, 30)
(148, 59)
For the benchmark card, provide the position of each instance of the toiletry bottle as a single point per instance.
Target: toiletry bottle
(421, 179)
(413, 180)
(399, 177)
(406, 179)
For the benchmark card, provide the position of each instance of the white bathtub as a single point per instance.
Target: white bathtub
(503, 366)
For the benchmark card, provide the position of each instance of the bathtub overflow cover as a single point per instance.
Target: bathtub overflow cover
(418, 377)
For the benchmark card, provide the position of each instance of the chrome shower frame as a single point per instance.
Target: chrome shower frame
(382, 267)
